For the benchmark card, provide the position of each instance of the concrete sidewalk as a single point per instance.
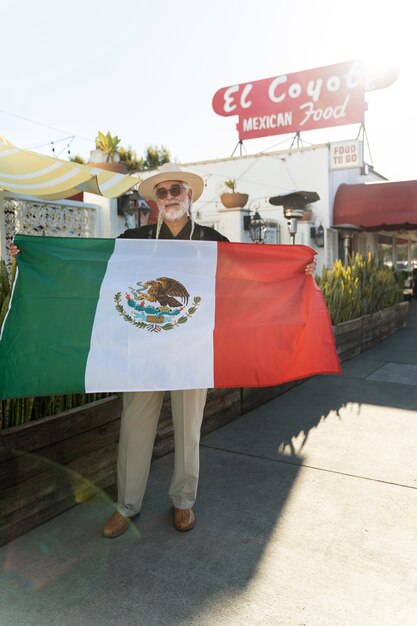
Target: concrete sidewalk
(307, 515)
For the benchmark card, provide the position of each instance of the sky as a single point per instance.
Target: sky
(147, 70)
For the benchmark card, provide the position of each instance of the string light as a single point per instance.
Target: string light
(42, 145)
(27, 119)
(50, 143)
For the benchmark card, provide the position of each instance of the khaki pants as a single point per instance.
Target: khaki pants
(141, 411)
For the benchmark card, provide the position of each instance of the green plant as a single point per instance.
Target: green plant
(17, 411)
(154, 157)
(107, 144)
(362, 287)
(77, 159)
(231, 184)
(134, 163)
(5, 288)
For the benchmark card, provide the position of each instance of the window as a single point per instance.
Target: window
(402, 254)
(384, 250)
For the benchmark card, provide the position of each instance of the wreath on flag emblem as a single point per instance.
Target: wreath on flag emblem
(156, 305)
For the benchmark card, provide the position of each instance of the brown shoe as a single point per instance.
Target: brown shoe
(183, 519)
(117, 524)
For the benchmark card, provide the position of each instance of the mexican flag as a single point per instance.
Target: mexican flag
(129, 315)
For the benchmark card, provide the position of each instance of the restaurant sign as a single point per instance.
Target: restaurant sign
(318, 98)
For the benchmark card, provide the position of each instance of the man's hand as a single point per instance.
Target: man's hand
(311, 268)
(13, 250)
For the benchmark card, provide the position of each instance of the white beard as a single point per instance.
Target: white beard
(174, 213)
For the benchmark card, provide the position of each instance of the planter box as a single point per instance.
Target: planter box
(49, 465)
(356, 336)
(348, 338)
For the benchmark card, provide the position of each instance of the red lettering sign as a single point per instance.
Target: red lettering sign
(317, 98)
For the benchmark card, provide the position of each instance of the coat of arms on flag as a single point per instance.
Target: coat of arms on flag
(157, 305)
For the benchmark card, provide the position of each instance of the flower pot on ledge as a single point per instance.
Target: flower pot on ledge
(103, 161)
(234, 200)
(117, 168)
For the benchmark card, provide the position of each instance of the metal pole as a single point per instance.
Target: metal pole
(346, 240)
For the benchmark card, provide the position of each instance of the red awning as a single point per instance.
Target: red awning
(377, 206)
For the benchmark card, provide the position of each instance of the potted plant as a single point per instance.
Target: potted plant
(233, 199)
(106, 155)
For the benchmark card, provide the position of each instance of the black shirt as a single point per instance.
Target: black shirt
(201, 233)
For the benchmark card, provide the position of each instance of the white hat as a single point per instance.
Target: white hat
(170, 171)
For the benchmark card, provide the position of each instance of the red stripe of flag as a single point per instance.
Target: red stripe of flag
(271, 322)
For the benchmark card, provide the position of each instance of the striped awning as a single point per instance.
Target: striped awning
(33, 174)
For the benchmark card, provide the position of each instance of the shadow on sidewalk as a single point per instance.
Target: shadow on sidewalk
(151, 574)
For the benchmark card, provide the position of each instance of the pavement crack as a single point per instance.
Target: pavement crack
(313, 467)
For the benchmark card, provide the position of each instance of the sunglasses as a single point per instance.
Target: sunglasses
(175, 190)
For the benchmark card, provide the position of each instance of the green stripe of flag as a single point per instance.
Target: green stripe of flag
(46, 335)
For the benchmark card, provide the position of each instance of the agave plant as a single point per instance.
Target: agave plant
(231, 184)
(107, 144)
(360, 288)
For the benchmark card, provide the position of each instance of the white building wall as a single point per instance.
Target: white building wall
(261, 177)
(265, 175)
(110, 224)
